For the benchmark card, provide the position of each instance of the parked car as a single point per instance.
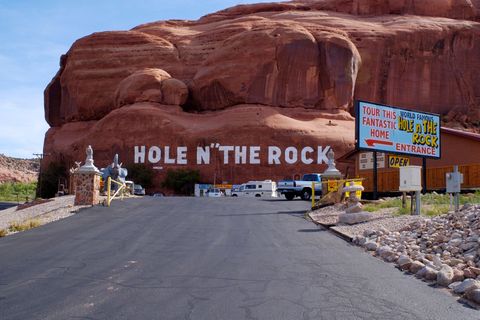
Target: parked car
(214, 193)
(158, 194)
(266, 188)
(300, 188)
(138, 190)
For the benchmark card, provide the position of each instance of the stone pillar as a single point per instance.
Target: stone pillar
(87, 189)
(87, 182)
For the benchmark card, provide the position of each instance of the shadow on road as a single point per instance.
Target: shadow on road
(298, 214)
(6, 205)
(312, 230)
(284, 200)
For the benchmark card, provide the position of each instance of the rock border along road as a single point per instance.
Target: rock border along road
(204, 258)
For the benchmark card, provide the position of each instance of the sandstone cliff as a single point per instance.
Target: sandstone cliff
(233, 71)
(18, 170)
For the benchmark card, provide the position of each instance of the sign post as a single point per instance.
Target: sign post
(424, 175)
(375, 176)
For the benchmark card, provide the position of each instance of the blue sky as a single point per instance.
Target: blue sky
(33, 35)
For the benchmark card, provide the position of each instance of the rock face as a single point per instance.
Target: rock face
(150, 85)
(18, 170)
(300, 55)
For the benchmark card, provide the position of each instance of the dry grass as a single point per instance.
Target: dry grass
(22, 226)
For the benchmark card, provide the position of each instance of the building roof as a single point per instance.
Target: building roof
(349, 156)
(461, 133)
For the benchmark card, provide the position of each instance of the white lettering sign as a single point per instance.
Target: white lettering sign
(239, 155)
(203, 155)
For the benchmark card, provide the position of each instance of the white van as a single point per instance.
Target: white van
(266, 188)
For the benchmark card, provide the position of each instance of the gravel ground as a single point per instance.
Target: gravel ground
(383, 218)
(59, 208)
(391, 223)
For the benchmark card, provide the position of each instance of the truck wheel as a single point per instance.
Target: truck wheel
(306, 194)
(257, 195)
(289, 196)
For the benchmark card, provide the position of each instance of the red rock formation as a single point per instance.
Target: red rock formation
(317, 55)
(18, 170)
(147, 124)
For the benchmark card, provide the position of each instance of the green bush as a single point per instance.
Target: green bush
(182, 181)
(403, 211)
(13, 191)
(436, 210)
(390, 203)
(140, 174)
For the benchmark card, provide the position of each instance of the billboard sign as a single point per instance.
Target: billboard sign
(395, 130)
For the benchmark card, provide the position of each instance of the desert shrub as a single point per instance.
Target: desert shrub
(3, 233)
(22, 226)
(182, 181)
(140, 174)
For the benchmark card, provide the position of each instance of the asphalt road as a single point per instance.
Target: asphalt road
(204, 258)
(6, 205)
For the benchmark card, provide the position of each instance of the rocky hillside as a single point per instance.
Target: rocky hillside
(18, 170)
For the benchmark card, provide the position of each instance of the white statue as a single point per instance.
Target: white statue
(89, 160)
(332, 171)
(88, 166)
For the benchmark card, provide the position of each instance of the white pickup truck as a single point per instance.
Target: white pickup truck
(300, 188)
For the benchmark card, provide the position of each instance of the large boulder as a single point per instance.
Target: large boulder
(150, 85)
(445, 276)
(288, 55)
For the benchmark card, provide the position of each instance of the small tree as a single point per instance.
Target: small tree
(140, 174)
(182, 181)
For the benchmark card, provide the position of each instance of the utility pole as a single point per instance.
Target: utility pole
(40, 157)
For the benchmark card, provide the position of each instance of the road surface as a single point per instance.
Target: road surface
(6, 205)
(204, 258)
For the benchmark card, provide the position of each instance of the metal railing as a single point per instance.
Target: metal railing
(339, 183)
(110, 197)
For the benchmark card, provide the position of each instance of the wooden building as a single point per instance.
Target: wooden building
(458, 148)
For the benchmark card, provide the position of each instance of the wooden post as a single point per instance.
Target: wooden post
(424, 175)
(313, 195)
(109, 183)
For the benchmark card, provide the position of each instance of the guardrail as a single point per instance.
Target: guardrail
(109, 190)
(332, 185)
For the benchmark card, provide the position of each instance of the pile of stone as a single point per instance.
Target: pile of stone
(444, 250)
(354, 209)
